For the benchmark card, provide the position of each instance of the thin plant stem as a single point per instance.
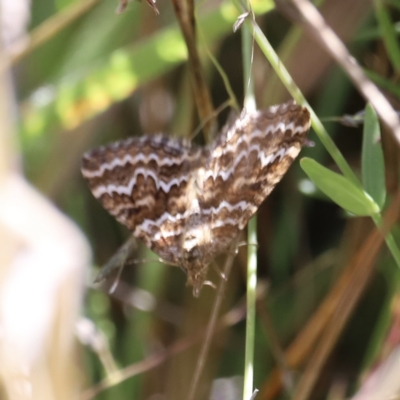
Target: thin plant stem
(314, 23)
(232, 98)
(292, 88)
(249, 104)
(251, 310)
(184, 11)
(290, 85)
(317, 125)
(247, 51)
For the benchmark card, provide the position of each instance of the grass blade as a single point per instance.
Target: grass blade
(373, 165)
(338, 188)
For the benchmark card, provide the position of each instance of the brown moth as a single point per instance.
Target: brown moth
(188, 203)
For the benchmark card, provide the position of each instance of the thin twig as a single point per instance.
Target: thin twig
(184, 11)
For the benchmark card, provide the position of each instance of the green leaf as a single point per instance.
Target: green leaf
(338, 188)
(373, 165)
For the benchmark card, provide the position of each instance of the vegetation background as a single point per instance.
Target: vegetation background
(88, 76)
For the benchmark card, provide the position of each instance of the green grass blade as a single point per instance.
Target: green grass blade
(290, 85)
(249, 104)
(338, 188)
(373, 165)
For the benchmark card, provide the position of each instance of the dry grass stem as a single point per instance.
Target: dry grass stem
(314, 23)
(184, 11)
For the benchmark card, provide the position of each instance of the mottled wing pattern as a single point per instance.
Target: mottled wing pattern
(246, 162)
(187, 204)
(143, 183)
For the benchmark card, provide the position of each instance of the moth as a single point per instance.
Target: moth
(187, 203)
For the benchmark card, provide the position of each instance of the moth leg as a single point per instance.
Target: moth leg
(244, 243)
(118, 260)
(235, 251)
(209, 283)
(218, 271)
(116, 280)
